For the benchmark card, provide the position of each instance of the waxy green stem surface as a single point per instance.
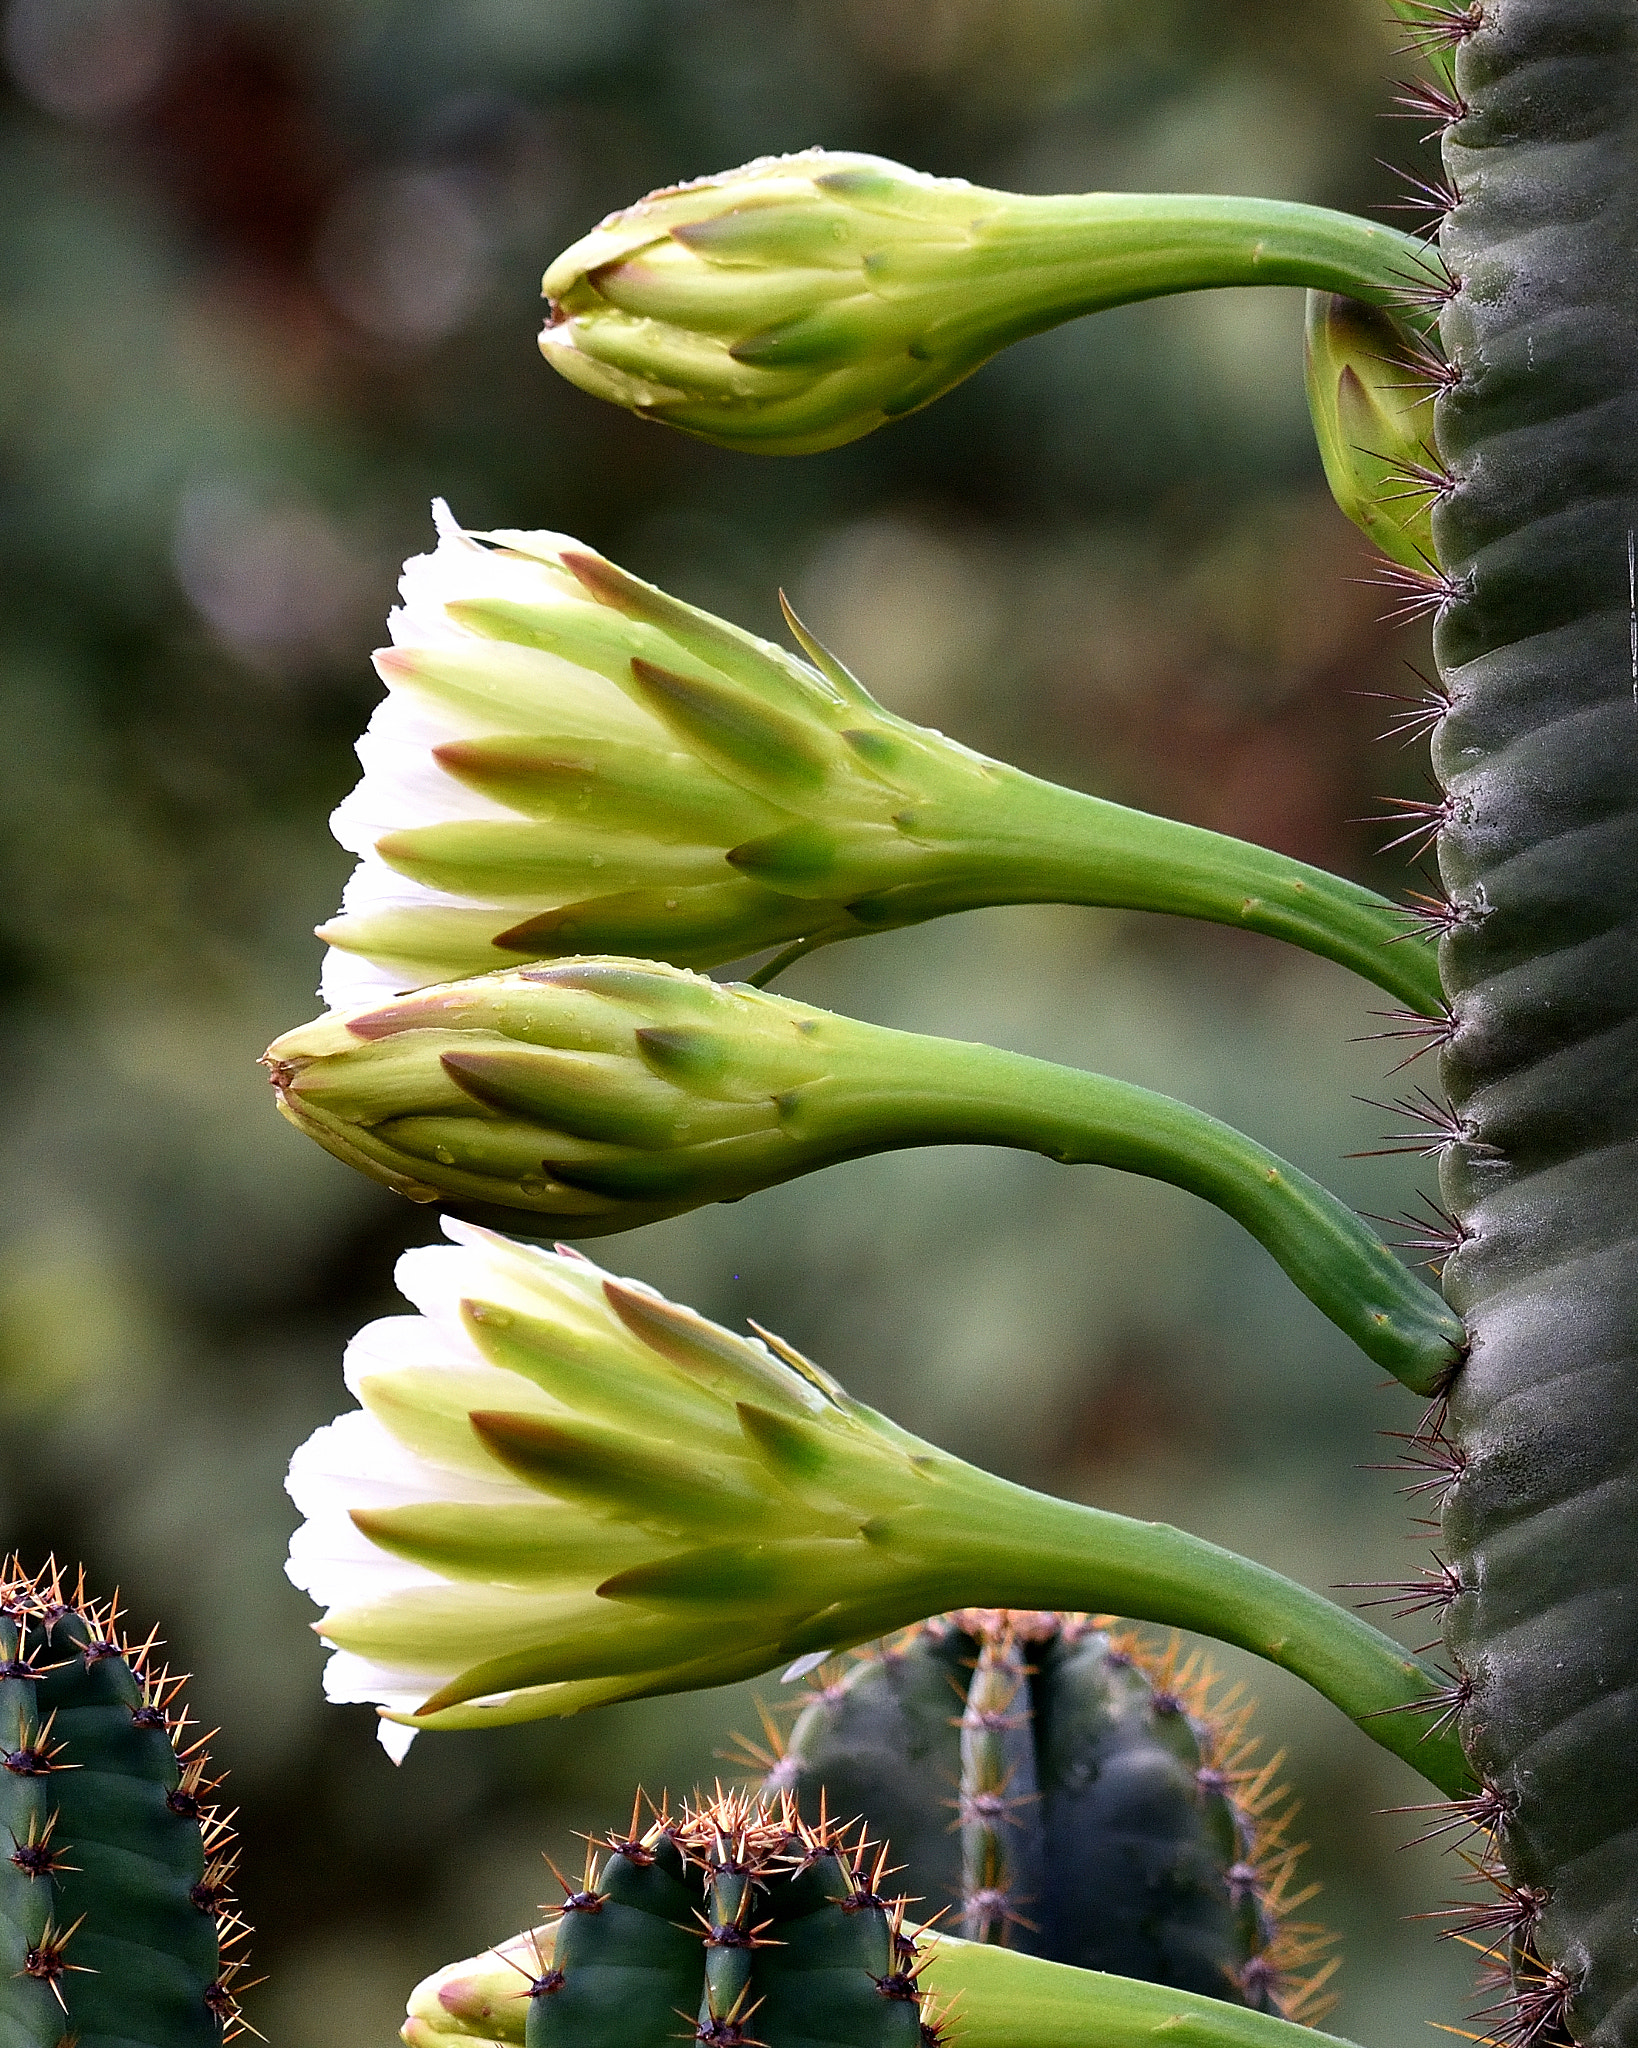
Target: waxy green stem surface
(1011, 2000)
(980, 1541)
(1083, 252)
(1036, 842)
(933, 1090)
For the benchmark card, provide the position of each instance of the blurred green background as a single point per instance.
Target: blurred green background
(269, 281)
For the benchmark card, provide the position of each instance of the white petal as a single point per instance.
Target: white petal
(395, 1738)
(460, 567)
(404, 787)
(351, 1680)
(356, 1462)
(351, 982)
(395, 1342)
(338, 1566)
(527, 1279)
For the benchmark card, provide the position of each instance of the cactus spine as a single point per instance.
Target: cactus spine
(116, 1912)
(1073, 1795)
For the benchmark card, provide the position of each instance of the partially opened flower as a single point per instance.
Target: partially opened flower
(570, 761)
(560, 1489)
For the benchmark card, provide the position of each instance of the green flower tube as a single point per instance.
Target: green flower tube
(607, 1093)
(1007, 1999)
(570, 761)
(801, 301)
(560, 1489)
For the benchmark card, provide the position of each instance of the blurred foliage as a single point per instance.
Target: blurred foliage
(269, 281)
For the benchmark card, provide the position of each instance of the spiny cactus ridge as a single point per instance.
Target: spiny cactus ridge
(117, 1918)
(734, 1921)
(1070, 1794)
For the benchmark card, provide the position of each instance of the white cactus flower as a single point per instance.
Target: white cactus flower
(570, 761)
(554, 1484)
(407, 788)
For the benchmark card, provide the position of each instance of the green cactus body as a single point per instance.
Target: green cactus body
(738, 1922)
(114, 1900)
(1069, 1796)
(1534, 624)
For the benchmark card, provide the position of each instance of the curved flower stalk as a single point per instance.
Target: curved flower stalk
(560, 1489)
(570, 761)
(800, 301)
(1004, 1997)
(607, 1093)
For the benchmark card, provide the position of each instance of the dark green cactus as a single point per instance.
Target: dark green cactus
(115, 1900)
(739, 1921)
(1535, 610)
(1070, 1796)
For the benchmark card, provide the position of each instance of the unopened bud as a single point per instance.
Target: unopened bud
(801, 301)
(1374, 423)
(608, 1093)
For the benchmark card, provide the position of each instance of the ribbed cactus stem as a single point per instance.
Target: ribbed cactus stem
(117, 1925)
(771, 1931)
(999, 1801)
(725, 2007)
(1108, 1815)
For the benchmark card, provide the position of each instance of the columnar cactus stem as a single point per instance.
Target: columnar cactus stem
(1539, 759)
(1107, 1813)
(117, 1927)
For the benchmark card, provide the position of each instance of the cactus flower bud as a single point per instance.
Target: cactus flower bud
(1374, 424)
(607, 1093)
(801, 301)
(560, 1489)
(481, 2000)
(570, 761)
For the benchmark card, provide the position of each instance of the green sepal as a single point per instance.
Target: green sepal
(525, 1546)
(693, 927)
(1012, 2000)
(759, 665)
(772, 750)
(1374, 423)
(594, 1378)
(776, 1576)
(506, 860)
(798, 857)
(600, 1097)
(615, 786)
(734, 1369)
(632, 1479)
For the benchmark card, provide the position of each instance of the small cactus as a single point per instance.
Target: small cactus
(735, 1922)
(1072, 1796)
(116, 1911)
